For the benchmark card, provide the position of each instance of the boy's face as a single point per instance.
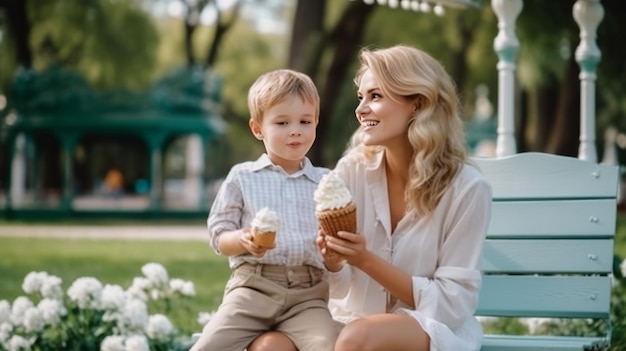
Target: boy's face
(288, 132)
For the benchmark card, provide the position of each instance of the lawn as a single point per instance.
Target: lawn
(116, 262)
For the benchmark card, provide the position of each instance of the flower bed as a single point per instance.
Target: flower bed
(93, 316)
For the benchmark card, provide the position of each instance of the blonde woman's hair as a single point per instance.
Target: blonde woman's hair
(436, 131)
(273, 87)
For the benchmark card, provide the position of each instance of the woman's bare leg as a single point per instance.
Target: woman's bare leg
(272, 341)
(384, 332)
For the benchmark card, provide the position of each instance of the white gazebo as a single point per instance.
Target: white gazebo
(587, 13)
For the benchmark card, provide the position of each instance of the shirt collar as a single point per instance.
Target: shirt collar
(307, 170)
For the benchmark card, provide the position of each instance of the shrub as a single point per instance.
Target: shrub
(93, 316)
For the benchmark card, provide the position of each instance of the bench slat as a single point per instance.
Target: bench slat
(545, 296)
(539, 175)
(548, 256)
(582, 218)
(536, 343)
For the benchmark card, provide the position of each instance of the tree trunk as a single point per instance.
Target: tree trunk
(17, 18)
(545, 107)
(346, 38)
(564, 138)
(189, 30)
(308, 24)
(221, 28)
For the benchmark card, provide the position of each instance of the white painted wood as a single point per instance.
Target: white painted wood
(545, 296)
(553, 219)
(536, 343)
(549, 247)
(538, 175)
(588, 14)
(548, 256)
(506, 45)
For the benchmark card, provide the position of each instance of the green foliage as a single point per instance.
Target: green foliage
(111, 43)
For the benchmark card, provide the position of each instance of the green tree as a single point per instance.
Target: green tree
(97, 38)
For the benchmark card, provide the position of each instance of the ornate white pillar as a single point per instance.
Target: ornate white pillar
(18, 171)
(506, 45)
(588, 14)
(194, 171)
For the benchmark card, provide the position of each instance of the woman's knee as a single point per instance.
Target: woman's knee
(272, 341)
(355, 336)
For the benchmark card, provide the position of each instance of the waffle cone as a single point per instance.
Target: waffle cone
(264, 239)
(335, 220)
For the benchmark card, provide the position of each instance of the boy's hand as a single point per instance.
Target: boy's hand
(246, 241)
(320, 241)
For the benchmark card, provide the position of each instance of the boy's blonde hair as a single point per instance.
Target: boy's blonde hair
(436, 131)
(273, 87)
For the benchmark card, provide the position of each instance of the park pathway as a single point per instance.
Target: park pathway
(129, 232)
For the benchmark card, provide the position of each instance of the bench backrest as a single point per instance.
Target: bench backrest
(549, 248)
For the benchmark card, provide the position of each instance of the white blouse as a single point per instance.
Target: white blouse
(442, 253)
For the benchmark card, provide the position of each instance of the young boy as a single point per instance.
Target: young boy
(284, 287)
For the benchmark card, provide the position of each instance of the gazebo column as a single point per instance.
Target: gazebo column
(506, 45)
(68, 143)
(8, 188)
(588, 14)
(155, 144)
(204, 196)
(194, 171)
(17, 171)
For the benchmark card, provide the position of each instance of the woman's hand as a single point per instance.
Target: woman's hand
(245, 239)
(350, 245)
(320, 241)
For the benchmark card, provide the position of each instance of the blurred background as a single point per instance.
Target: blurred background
(137, 108)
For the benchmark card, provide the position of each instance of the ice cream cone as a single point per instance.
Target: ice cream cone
(264, 239)
(335, 220)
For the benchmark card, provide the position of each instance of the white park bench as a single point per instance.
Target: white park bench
(549, 247)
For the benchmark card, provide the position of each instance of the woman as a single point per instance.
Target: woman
(411, 277)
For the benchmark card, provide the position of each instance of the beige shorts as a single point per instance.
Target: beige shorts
(258, 298)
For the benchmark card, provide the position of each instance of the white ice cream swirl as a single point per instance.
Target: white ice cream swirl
(265, 220)
(331, 193)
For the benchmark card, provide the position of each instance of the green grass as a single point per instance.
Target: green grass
(116, 262)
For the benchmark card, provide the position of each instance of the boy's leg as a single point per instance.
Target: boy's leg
(312, 329)
(309, 323)
(248, 309)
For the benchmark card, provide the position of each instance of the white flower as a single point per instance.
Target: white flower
(157, 294)
(33, 320)
(137, 343)
(18, 343)
(5, 331)
(20, 305)
(5, 311)
(51, 311)
(51, 288)
(183, 287)
(33, 282)
(159, 327)
(113, 343)
(134, 317)
(113, 297)
(622, 267)
(138, 288)
(156, 274)
(86, 292)
(204, 317)
(534, 324)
